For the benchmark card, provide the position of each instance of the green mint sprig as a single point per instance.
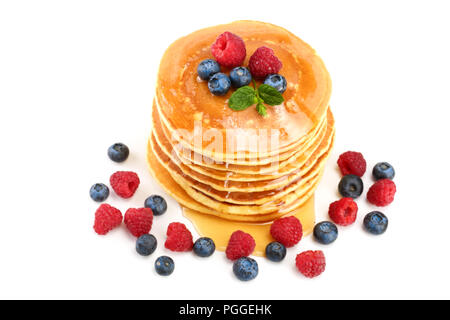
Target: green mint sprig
(247, 96)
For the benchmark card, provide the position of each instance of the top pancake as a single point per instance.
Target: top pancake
(184, 101)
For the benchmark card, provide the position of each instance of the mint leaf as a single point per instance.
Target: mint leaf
(242, 98)
(261, 108)
(270, 95)
(247, 96)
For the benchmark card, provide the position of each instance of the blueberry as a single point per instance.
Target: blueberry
(207, 68)
(383, 170)
(277, 81)
(99, 192)
(351, 186)
(375, 222)
(157, 204)
(118, 152)
(204, 247)
(275, 251)
(219, 84)
(245, 268)
(146, 244)
(325, 232)
(164, 265)
(240, 77)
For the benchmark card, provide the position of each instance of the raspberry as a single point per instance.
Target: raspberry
(229, 50)
(382, 192)
(343, 212)
(287, 231)
(351, 162)
(179, 238)
(311, 263)
(106, 219)
(124, 183)
(240, 245)
(139, 221)
(264, 62)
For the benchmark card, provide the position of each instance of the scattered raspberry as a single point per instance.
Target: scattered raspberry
(311, 263)
(106, 219)
(351, 162)
(124, 183)
(229, 50)
(343, 212)
(264, 62)
(240, 245)
(382, 192)
(139, 221)
(287, 231)
(179, 238)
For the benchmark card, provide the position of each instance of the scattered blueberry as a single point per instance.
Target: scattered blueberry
(383, 170)
(204, 247)
(118, 152)
(157, 204)
(219, 84)
(164, 266)
(240, 77)
(207, 68)
(275, 251)
(277, 81)
(351, 186)
(375, 222)
(245, 268)
(325, 232)
(99, 192)
(146, 244)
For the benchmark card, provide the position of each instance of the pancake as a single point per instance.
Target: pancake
(230, 185)
(255, 196)
(191, 156)
(183, 100)
(253, 166)
(237, 170)
(164, 179)
(260, 197)
(251, 183)
(264, 205)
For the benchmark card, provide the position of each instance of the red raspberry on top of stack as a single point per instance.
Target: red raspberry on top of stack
(264, 62)
(229, 50)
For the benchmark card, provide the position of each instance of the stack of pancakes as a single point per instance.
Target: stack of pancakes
(238, 165)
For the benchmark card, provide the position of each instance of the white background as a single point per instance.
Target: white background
(77, 76)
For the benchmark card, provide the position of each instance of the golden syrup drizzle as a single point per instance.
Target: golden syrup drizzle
(220, 229)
